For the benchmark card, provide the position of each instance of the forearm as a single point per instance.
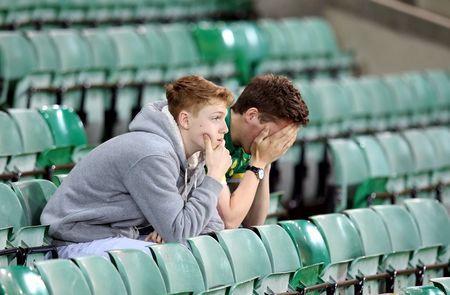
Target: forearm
(234, 207)
(260, 206)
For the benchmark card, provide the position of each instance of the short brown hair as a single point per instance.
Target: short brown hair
(192, 93)
(275, 97)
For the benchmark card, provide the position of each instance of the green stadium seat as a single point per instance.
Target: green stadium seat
(439, 137)
(285, 262)
(250, 47)
(441, 83)
(426, 97)
(36, 138)
(58, 179)
(425, 161)
(311, 249)
(346, 251)
(349, 172)
(433, 223)
(75, 57)
(131, 58)
(216, 45)
(44, 53)
(278, 52)
(248, 258)
(375, 240)
(214, 265)
(328, 46)
(101, 276)
(10, 142)
(360, 100)
(178, 268)
(13, 215)
(400, 159)
(382, 107)
(275, 207)
(408, 109)
(378, 172)
(17, 60)
(405, 236)
(316, 112)
(97, 100)
(335, 106)
(67, 131)
(62, 276)
(139, 272)
(422, 290)
(303, 55)
(5, 233)
(184, 58)
(442, 283)
(21, 280)
(34, 194)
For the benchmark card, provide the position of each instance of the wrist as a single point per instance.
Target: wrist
(258, 164)
(217, 176)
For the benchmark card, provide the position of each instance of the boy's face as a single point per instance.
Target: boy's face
(210, 120)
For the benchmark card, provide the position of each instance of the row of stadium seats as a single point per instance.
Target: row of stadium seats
(375, 103)
(43, 13)
(412, 163)
(22, 238)
(119, 69)
(32, 140)
(385, 248)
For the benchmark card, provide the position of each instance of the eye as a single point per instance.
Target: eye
(216, 118)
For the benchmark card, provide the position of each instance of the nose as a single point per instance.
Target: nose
(224, 128)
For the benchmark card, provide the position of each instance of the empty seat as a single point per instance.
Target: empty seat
(433, 223)
(378, 172)
(62, 276)
(68, 133)
(349, 172)
(21, 280)
(214, 265)
(248, 258)
(139, 272)
(17, 61)
(178, 268)
(34, 194)
(284, 259)
(442, 283)
(346, 251)
(404, 236)
(36, 138)
(375, 240)
(101, 276)
(441, 83)
(10, 142)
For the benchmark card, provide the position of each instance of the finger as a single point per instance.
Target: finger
(149, 237)
(207, 141)
(262, 135)
(158, 239)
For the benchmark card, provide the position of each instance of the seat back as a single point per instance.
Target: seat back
(371, 229)
(11, 209)
(21, 280)
(308, 241)
(100, 275)
(212, 260)
(340, 235)
(34, 195)
(403, 233)
(280, 248)
(432, 221)
(139, 272)
(62, 276)
(178, 268)
(246, 253)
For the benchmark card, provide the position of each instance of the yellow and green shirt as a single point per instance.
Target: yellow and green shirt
(240, 159)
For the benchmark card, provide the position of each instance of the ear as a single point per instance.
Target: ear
(251, 116)
(184, 120)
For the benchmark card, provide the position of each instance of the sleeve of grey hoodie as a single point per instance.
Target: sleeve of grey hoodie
(152, 183)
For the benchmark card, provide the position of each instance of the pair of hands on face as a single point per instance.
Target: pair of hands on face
(266, 149)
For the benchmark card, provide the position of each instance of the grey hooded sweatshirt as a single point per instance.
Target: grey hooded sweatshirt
(136, 179)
